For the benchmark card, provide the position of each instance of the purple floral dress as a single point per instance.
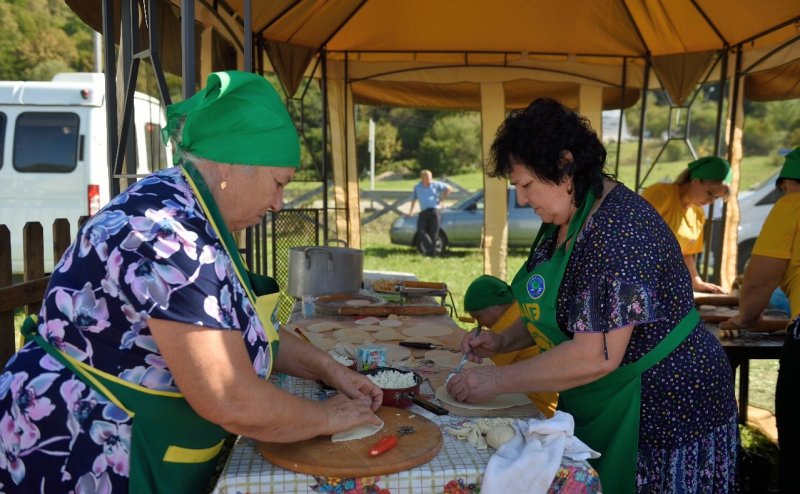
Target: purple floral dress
(149, 253)
(626, 268)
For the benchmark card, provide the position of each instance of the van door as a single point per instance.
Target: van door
(45, 178)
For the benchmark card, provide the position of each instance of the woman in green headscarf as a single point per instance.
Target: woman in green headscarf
(681, 205)
(154, 342)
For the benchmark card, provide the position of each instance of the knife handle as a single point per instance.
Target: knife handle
(417, 344)
(431, 407)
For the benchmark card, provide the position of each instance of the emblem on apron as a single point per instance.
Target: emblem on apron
(535, 286)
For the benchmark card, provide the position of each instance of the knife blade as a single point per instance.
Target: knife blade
(423, 345)
(430, 406)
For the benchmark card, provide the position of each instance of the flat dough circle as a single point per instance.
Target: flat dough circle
(357, 432)
(358, 302)
(395, 353)
(366, 321)
(391, 323)
(499, 401)
(444, 358)
(427, 330)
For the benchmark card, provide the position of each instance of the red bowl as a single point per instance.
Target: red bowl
(397, 397)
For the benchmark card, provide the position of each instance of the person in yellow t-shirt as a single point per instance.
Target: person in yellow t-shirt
(681, 205)
(776, 262)
(490, 302)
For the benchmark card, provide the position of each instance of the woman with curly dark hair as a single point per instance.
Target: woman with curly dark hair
(648, 386)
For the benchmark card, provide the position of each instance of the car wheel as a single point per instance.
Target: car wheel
(744, 253)
(441, 243)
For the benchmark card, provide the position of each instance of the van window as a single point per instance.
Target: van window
(770, 198)
(46, 142)
(2, 136)
(156, 152)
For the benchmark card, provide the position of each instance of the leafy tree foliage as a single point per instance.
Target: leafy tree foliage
(41, 38)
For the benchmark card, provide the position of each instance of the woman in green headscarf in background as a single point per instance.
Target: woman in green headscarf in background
(681, 205)
(154, 342)
(490, 301)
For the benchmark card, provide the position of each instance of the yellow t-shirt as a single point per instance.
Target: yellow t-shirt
(546, 402)
(686, 223)
(780, 238)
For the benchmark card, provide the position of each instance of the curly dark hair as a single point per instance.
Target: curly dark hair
(538, 136)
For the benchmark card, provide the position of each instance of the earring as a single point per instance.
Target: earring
(223, 184)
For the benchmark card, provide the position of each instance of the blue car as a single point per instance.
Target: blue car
(462, 225)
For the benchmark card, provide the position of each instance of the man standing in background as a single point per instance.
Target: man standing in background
(430, 194)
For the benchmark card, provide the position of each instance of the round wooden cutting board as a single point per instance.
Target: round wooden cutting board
(348, 459)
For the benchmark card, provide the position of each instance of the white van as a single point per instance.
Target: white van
(54, 152)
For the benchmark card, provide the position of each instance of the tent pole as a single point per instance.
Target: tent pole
(187, 47)
(111, 93)
(325, 157)
(642, 122)
(621, 112)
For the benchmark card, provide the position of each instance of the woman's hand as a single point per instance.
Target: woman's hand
(342, 413)
(353, 385)
(486, 344)
(474, 385)
(699, 285)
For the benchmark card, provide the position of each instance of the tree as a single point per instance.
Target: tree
(452, 145)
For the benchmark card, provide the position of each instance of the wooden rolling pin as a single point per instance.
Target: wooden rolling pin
(428, 285)
(385, 310)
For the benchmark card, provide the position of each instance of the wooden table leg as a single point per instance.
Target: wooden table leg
(744, 389)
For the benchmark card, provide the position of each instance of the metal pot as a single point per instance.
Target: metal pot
(325, 270)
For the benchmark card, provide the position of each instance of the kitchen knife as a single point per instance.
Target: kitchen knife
(423, 345)
(430, 406)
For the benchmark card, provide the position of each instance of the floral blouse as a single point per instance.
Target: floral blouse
(626, 268)
(150, 252)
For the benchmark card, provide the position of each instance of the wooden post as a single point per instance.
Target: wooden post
(7, 333)
(33, 252)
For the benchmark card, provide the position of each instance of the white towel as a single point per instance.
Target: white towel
(529, 462)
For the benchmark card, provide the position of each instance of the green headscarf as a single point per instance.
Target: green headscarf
(711, 168)
(791, 165)
(237, 118)
(486, 291)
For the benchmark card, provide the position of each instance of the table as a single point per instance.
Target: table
(458, 467)
(740, 350)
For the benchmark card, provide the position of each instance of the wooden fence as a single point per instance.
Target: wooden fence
(29, 292)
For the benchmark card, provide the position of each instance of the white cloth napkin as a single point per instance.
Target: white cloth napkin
(529, 462)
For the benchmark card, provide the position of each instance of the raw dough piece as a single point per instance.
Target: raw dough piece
(427, 330)
(323, 326)
(391, 323)
(388, 334)
(396, 353)
(444, 358)
(358, 302)
(357, 432)
(367, 321)
(320, 341)
(499, 435)
(499, 401)
(352, 335)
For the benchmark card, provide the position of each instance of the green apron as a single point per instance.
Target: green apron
(173, 450)
(606, 411)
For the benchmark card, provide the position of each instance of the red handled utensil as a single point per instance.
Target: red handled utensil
(386, 443)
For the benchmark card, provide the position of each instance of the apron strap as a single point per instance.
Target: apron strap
(670, 342)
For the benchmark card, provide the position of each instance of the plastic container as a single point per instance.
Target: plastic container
(370, 357)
